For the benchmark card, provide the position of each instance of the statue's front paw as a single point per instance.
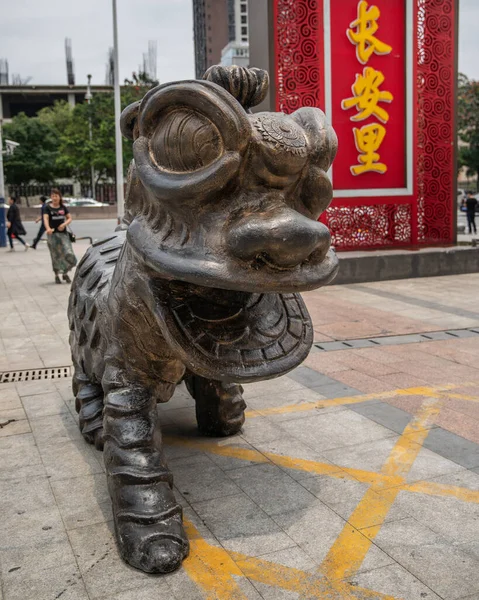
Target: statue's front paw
(157, 548)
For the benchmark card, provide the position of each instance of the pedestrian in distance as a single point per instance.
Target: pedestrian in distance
(41, 231)
(14, 224)
(56, 219)
(471, 204)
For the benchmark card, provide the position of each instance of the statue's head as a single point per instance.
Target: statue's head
(225, 207)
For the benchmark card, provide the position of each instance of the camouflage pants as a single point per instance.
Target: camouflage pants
(61, 252)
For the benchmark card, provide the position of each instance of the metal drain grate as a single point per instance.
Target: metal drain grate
(36, 374)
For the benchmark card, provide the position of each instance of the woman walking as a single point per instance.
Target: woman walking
(56, 220)
(14, 224)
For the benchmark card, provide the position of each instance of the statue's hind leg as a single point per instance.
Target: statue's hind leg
(148, 519)
(89, 406)
(219, 406)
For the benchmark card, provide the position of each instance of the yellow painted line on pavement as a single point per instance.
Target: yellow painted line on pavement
(464, 397)
(308, 466)
(335, 471)
(213, 569)
(423, 391)
(307, 406)
(307, 585)
(348, 552)
(410, 443)
(431, 488)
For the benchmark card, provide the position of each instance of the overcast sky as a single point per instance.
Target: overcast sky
(33, 35)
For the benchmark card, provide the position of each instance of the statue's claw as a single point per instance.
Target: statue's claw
(156, 548)
(148, 520)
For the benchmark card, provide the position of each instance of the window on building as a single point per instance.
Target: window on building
(244, 19)
(243, 8)
(244, 39)
(231, 21)
(244, 31)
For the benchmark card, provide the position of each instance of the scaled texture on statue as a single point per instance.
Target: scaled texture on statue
(200, 284)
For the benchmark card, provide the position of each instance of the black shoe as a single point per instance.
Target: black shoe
(57, 279)
(66, 278)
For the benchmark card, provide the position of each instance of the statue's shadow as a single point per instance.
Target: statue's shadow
(225, 484)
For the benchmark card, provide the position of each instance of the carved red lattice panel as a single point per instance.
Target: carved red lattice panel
(435, 134)
(369, 226)
(299, 53)
(426, 217)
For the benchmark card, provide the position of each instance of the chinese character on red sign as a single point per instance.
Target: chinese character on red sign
(367, 94)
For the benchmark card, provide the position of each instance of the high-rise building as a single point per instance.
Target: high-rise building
(238, 21)
(236, 52)
(210, 24)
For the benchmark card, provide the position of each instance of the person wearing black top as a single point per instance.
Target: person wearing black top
(41, 231)
(471, 204)
(14, 224)
(56, 219)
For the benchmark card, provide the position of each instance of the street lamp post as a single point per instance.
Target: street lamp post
(118, 141)
(3, 224)
(88, 98)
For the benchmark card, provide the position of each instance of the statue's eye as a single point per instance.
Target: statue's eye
(185, 141)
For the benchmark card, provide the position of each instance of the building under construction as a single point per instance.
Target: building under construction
(18, 95)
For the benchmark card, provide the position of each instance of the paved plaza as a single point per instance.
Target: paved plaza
(355, 476)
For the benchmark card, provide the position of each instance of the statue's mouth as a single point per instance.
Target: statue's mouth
(232, 336)
(203, 266)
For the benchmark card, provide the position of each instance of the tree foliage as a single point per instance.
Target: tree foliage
(35, 159)
(56, 143)
(468, 124)
(78, 152)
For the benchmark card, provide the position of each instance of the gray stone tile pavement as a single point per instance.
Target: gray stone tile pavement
(56, 536)
(428, 556)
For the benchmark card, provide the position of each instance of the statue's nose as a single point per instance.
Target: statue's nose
(286, 239)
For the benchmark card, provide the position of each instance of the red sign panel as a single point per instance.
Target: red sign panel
(322, 48)
(368, 66)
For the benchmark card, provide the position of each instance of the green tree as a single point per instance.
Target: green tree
(56, 143)
(468, 125)
(35, 159)
(77, 152)
(57, 117)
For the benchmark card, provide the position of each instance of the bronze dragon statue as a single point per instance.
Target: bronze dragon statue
(199, 284)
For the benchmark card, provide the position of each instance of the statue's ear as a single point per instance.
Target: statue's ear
(128, 120)
(322, 139)
(191, 136)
